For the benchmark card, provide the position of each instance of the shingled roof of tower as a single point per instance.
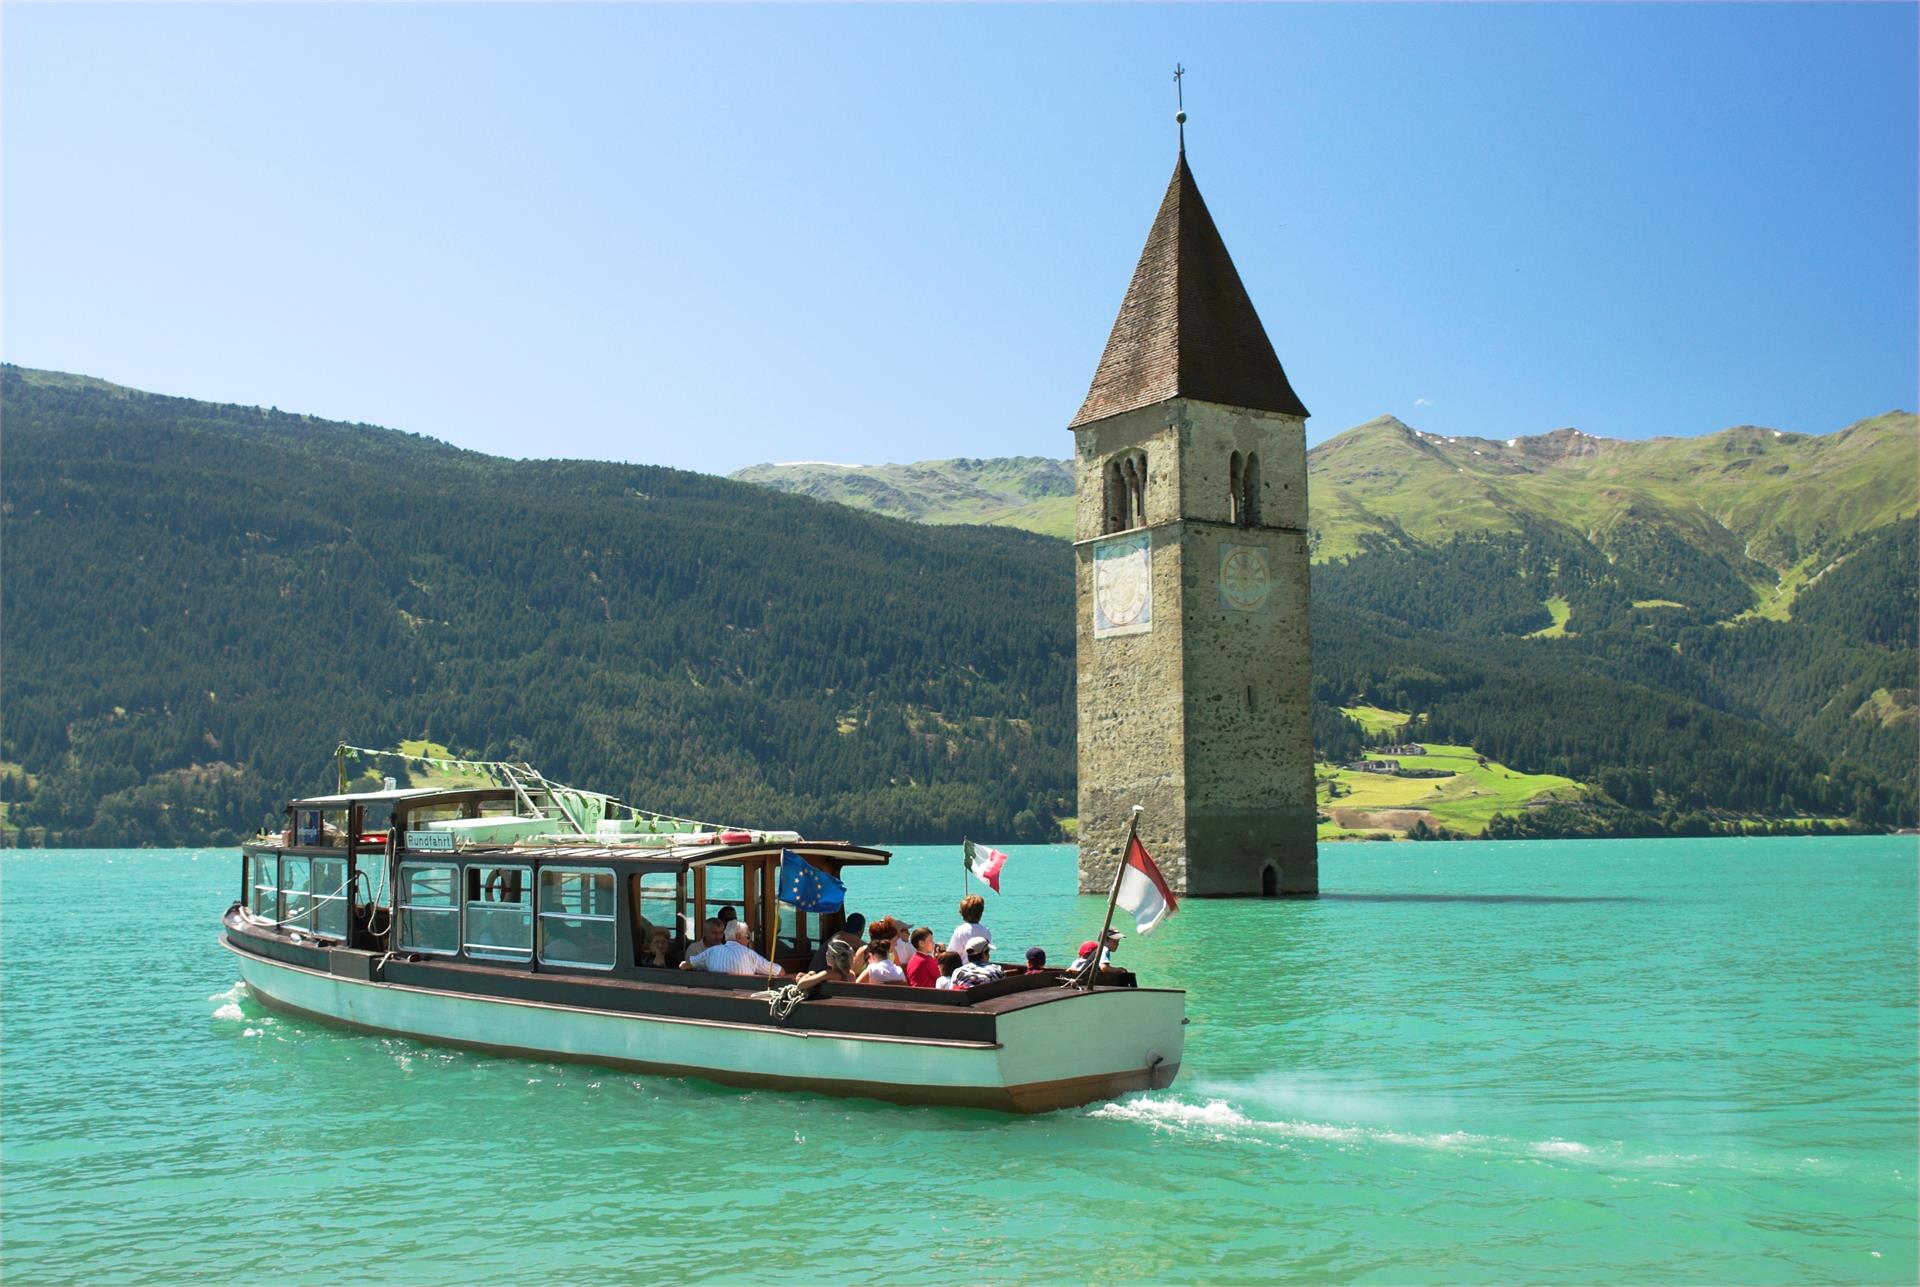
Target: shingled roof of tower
(1186, 328)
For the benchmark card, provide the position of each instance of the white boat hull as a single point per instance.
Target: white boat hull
(1065, 1051)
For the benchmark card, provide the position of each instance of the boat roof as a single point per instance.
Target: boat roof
(840, 851)
(491, 791)
(363, 797)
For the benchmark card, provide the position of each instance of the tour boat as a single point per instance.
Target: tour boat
(513, 918)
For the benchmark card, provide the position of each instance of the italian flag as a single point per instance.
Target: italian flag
(1143, 890)
(984, 862)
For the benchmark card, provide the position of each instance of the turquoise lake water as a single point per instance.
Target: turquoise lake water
(1667, 1061)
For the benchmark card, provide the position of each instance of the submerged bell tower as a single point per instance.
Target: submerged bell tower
(1191, 580)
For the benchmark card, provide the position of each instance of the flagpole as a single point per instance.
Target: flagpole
(966, 870)
(1092, 969)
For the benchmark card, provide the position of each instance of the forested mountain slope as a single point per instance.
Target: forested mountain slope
(200, 600)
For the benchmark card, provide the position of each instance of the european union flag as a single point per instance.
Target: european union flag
(807, 887)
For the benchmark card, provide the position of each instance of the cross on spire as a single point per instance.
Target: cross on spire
(1180, 99)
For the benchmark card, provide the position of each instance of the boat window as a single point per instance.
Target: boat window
(500, 912)
(576, 916)
(792, 933)
(266, 886)
(656, 906)
(726, 887)
(429, 908)
(296, 901)
(330, 895)
(308, 828)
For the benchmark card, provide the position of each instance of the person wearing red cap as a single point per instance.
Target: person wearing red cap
(1106, 954)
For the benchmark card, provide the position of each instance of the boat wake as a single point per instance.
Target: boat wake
(228, 1009)
(229, 1003)
(1225, 1117)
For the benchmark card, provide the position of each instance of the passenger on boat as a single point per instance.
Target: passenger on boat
(979, 968)
(839, 968)
(897, 931)
(848, 933)
(1036, 958)
(736, 956)
(923, 968)
(889, 930)
(949, 962)
(659, 951)
(972, 907)
(881, 967)
(839, 961)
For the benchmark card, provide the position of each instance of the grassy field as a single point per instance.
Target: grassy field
(1777, 605)
(1374, 719)
(1465, 802)
(433, 775)
(1562, 612)
(1049, 516)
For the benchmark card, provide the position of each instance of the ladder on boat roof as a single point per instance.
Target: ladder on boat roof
(524, 779)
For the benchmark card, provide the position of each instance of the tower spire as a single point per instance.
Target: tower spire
(1186, 328)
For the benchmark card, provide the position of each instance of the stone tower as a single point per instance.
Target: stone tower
(1191, 580)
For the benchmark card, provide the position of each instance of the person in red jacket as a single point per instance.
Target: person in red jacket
(923, 969)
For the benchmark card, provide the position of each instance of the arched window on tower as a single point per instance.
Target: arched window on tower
(1125, 492)
(1248, 510)
(1235, 468)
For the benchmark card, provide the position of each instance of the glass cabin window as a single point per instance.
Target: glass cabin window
(500, 912)
(576, 916)
(296, 898)
(429, 907)
(330, 896)
(791, 934)
(656, 909)
(309, 828)
(266, 886)
(726, 887)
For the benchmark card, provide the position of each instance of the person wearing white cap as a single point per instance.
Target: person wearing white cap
(978, 969)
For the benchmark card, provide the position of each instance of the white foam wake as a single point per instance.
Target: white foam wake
(1175, 1114)
(229, 1008)
(1220, 1119)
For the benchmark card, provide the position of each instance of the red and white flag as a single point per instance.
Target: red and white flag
(1143, 890)
(984, 862)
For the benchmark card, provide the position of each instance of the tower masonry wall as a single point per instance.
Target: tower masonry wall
(1248, 692)
(1211, 433)
(1152, 430)
(1204, 718)
(1131, 734)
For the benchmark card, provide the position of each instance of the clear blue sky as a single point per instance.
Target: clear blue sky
(707, 237)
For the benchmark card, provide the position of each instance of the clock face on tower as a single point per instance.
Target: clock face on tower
(1245, 582)
(1123, 586)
